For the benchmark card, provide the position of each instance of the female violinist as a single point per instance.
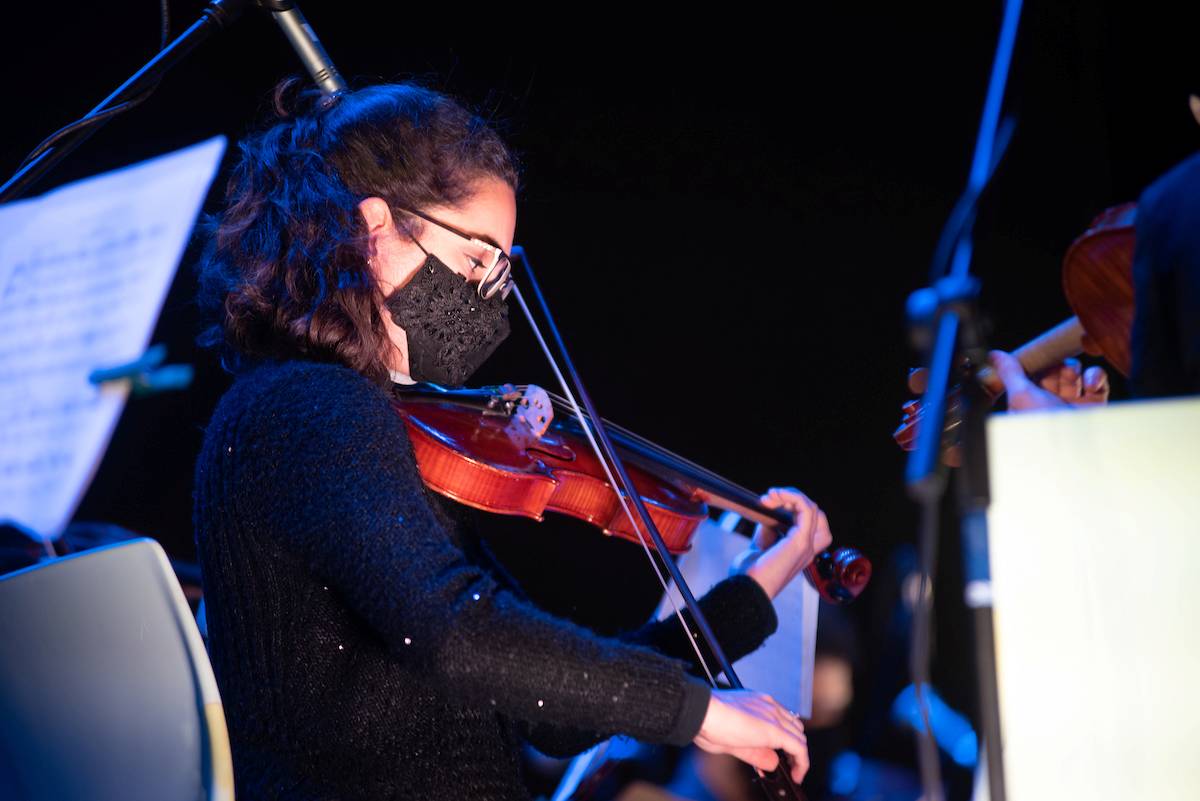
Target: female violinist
(365, 644)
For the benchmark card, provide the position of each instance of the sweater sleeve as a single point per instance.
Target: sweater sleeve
(738, 610)
(741, 616)
(319, 460)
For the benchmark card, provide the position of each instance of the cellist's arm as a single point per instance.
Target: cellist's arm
(1063, 385)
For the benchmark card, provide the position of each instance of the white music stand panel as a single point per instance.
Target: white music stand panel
(1095, 549)
(783, 666)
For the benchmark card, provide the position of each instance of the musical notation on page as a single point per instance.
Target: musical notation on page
(84, 271)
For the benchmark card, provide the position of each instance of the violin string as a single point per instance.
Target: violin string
(702, 474)
(716, 478)
(587, 430)
(561, 403)
(666, 453)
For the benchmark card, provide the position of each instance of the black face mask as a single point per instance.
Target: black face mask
(451, 330)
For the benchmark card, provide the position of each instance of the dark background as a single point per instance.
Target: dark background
(727, 212)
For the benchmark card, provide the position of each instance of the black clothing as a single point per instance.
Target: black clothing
(364, 645)
(1166, 276)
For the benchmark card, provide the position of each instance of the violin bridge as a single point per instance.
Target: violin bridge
(535, 410)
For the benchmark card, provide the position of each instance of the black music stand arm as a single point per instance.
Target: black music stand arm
(219, 14)
(945, 317)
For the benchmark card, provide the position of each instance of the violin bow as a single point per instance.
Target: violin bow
(776, 784)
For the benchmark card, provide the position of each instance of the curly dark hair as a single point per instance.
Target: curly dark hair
(283, 273)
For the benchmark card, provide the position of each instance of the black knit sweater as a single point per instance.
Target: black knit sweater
(364, 645)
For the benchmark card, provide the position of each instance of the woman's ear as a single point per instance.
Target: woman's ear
(378, 217)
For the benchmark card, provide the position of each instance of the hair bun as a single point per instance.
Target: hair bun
(295, 97)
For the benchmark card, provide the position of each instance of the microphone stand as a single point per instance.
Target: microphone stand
(944, 319)
(304, 41)
(218, 15)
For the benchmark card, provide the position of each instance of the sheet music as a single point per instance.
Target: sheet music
(84, 271)
(783, 666)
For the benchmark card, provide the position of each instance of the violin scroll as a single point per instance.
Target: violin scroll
(839, 574)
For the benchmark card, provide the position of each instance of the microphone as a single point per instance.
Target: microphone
(307, 46)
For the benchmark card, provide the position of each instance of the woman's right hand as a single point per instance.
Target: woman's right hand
(752, 726)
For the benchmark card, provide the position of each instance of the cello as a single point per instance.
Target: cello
(1097, 279)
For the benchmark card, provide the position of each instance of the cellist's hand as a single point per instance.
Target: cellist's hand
(1060, 386)
(774, 561)
(751, 726)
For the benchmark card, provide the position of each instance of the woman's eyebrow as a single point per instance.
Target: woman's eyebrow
(485, 238)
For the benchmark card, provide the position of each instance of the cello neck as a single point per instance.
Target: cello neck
(1046, 350)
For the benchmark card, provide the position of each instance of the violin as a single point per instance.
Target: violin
(500, 450)
(1097, 277)
(503, 450)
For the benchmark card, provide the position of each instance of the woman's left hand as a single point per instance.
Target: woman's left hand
(774, 561)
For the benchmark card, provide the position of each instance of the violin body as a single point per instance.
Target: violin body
(497, 464)
(470, 446)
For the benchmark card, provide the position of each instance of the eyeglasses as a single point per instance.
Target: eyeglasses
(499, 267)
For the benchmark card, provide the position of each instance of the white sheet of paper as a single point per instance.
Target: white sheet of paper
(783, 666)
(1095, 546)
(84, 271)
